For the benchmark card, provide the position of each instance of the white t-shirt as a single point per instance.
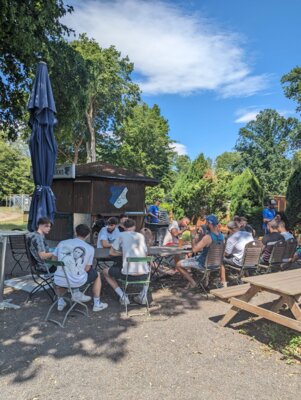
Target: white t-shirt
(236, 243)
(104, 234)
(132, 244)
(76, 254)
(168, 236)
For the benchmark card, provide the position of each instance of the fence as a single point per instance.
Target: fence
(21, 201)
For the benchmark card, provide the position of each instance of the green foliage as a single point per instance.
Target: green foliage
(14, 171)
(192, 190)
(28, 29)
(247, 198)
(181, 163)
(264, 145)
(220, 196)
(229, 161)
(110, 90)
(292, 85)
(144, 143)
(293, 197)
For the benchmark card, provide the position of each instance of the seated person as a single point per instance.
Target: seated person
(77, 256)
(175, 230)
(269, 241)
(122, 219)
(38, 246)
(198, 261)
(108, 234)
(129, 244)
(236, 243)
(282, 230)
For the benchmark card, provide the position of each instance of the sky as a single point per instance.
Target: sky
(210, 65)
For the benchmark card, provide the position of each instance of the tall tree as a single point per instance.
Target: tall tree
(28, 28)
(14, 171)
(111, 92)
(229, 161)
(265, 145)
(293, 196)
(292, 85)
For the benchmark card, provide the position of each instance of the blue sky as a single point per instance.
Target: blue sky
(210, 65)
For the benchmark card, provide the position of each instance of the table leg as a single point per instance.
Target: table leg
(234, 310)
(294, 307)
(4, 303)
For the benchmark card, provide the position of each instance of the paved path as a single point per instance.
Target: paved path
(178, 353)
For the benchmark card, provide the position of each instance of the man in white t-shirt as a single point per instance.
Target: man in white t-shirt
(236, 243)
(129, 244)
(77, 256)
(175, 230)
(108, 234)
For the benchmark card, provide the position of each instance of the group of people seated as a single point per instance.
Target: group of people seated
(78, 256)
(122, 240)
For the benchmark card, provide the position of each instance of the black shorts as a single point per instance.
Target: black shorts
(115, 272)
(92, 275)
(230, 261)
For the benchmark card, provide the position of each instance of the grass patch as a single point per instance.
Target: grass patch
(278, 338)
(15, 222)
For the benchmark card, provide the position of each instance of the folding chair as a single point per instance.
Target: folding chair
(213, 262)
(69, 299)
(250, 261)
(126, 283)
(18, 251)
(290, 249)
(43, 279)
(276, 258)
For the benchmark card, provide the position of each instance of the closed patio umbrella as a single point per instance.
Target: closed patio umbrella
(43, 147)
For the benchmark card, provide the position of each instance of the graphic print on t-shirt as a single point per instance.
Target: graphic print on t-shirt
(74, 259)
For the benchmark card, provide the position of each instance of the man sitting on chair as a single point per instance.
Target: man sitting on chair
(236, 243)
(129, 244)
(198, 262)
(38, 246)
(77, 256)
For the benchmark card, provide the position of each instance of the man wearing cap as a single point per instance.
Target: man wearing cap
(236, 244)
(198, 262)
(268, 214)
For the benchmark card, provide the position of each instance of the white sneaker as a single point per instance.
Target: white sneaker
(79, 296)
(100, 307)
(140, 300)
(124, 300)
(61, 305)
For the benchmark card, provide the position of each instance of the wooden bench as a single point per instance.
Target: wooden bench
(225, 294)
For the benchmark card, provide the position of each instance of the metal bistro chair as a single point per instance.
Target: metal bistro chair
(43, 279)
(250, 261)
(276, 258)
(126, 283)
(213, 262)
(69, 299)
(18, 251)
(290, 249)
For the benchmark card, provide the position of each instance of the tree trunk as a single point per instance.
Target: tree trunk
(91, 155)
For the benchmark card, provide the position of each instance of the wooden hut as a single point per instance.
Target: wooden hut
(97, 188)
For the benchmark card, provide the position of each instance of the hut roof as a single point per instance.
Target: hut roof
(104, 170)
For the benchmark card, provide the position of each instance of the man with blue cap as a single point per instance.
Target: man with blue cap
(201, 247)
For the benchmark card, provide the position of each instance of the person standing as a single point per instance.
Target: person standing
(268, 214)
(153, 212)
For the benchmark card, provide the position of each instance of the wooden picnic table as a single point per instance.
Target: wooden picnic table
(287, 285)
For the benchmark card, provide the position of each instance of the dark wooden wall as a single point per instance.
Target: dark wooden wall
(93, 196)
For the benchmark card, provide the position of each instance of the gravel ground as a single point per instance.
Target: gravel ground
(179, 352)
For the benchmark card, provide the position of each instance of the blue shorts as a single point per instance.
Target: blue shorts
(92, 275)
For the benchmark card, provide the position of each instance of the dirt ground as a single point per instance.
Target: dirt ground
(179, 352)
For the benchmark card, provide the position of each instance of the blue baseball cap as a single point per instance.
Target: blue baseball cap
(212, 219)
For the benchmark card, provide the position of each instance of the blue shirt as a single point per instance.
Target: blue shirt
(154, 210)
(268, 213)
(215, 238)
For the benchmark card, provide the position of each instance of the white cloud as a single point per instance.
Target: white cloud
(250, 113)
(179, 148)
(173, 51)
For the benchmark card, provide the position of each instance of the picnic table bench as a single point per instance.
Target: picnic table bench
(225, 294)
(287, 285)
